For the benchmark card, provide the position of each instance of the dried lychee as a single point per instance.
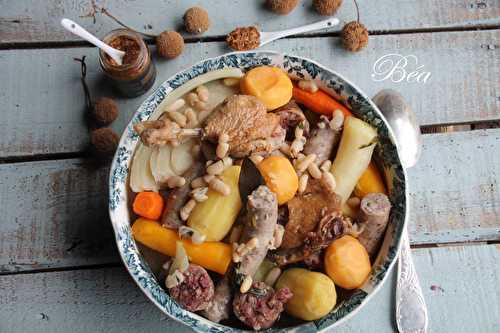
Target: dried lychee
(104, 140)
(196, 20)
(281, 7)
(169, 44)
(104, 111)
(326, 7)
(354, 36)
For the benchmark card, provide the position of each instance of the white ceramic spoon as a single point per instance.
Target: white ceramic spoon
(71, 26)
(267, 37)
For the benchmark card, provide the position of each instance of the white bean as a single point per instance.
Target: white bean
(231, 81)
(326, 166)
(192, 98)
(303, 182)
(304, 164)
(202, 92)
(328, 180)
(200, 194)
(187, 209)
(314, 171)
(308, 85)
(218, 185)
(192, 118)
(175, 105)
(337, 120)
(178, 117)
(246, 285)
(176, 181)
(200, 106)
(222, 149)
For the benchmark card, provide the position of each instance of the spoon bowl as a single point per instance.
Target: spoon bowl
(403, 123)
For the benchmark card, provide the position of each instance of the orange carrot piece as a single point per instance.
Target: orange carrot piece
(215, 256)
(370, 182)
(148, 205)
(319, 102)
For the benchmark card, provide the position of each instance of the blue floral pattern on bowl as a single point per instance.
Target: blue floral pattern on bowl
(386, 153)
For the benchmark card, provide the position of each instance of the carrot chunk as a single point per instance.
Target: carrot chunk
(148, 205)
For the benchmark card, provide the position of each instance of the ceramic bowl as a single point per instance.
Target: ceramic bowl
(386, 153)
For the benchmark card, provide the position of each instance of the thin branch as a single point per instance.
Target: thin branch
(86, 91)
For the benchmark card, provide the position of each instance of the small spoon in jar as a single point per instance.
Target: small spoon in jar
(115, 54)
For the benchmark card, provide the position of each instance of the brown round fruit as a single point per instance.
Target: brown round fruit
(196, 20)
(281, 7)
(105, 111)
(104, 140)
(169, 44)
(327, 7)
(354, 36)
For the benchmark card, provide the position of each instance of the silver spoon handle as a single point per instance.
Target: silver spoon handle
(411, 311)
(270, 36)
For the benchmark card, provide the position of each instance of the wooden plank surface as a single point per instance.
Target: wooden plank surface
(34, 21)
(53, 213)
(107, 300)
(42, 101)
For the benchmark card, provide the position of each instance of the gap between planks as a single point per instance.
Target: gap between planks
(222, 38)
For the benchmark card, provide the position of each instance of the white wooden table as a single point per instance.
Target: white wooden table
(59, 268)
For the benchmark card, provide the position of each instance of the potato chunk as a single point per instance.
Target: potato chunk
(215, 216)
(314, 293)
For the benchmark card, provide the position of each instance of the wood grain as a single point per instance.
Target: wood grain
(454, 188)
(42, 100)
(32, 21)
(106, 300)
(54, 212)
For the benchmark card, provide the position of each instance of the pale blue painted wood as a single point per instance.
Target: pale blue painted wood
(31, 20)
(460, 286)
(42, 100)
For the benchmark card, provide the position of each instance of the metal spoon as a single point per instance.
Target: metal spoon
(267, 37)
(411, 311)
(71, 26)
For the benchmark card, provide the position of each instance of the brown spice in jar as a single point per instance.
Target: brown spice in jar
(244, 38)
(129, 46)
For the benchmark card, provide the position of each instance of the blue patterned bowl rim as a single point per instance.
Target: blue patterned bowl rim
(299, 67)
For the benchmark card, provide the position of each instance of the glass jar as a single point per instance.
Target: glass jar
(137, 73)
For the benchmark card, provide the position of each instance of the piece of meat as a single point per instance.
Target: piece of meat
(260, 223)
(196, 291)
(330, 227)
(305, 210)
(246, 122)
(322, 142)
(374, 216)
(177, 197)
(291, 115)
(220, 306)
(314, 261)
(261, 306)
